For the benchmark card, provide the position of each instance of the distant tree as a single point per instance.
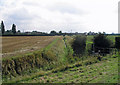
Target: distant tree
(99, 33)
(2, 27)
(53, 32)
(13, 28)
(101, 43)
(104, 33)
(60, 32)
(34, 31)
(9, 31)
(79, 44)
(19, 31)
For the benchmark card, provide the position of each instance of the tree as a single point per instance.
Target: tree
(79, 44)
(101, 43)
(13, 28)
(8, 32)
(2, 27)
(60, 32)
(104, 33)
(53, 32)
(19, 31)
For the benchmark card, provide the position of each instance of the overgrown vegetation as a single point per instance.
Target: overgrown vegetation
(101, 44)
(79, 44)
(60, 57)
(117, 43)
(90, 70)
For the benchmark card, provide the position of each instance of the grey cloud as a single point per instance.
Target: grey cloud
(61, 7)
(30, 3)
(19, 17)
(66, 8)
(20, 14)
(1, 3)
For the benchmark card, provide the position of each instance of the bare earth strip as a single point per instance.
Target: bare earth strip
(17, 45)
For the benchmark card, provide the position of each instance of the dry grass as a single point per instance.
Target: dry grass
(17, 45)
(45, 59)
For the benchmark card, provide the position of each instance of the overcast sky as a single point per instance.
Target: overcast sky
(65, 15)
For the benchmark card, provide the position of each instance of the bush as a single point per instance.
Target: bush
(79, 44)
(101, 43)
(117, 42)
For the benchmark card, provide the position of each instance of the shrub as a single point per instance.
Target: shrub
(79, 44)
(117, 42)
(101, 43)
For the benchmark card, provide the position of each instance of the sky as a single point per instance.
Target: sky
(65, 15)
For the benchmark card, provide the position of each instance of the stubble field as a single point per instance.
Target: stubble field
(16, 45)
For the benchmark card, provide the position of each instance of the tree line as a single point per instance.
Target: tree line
(13, 32)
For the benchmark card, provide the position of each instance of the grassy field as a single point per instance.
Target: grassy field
(105, 71)
(54, 63)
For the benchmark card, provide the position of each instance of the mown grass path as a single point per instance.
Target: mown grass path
(101, 72)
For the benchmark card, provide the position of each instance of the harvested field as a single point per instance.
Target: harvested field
(17, 45)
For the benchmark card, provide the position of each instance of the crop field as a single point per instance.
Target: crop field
(49, 59)
(16, 45)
